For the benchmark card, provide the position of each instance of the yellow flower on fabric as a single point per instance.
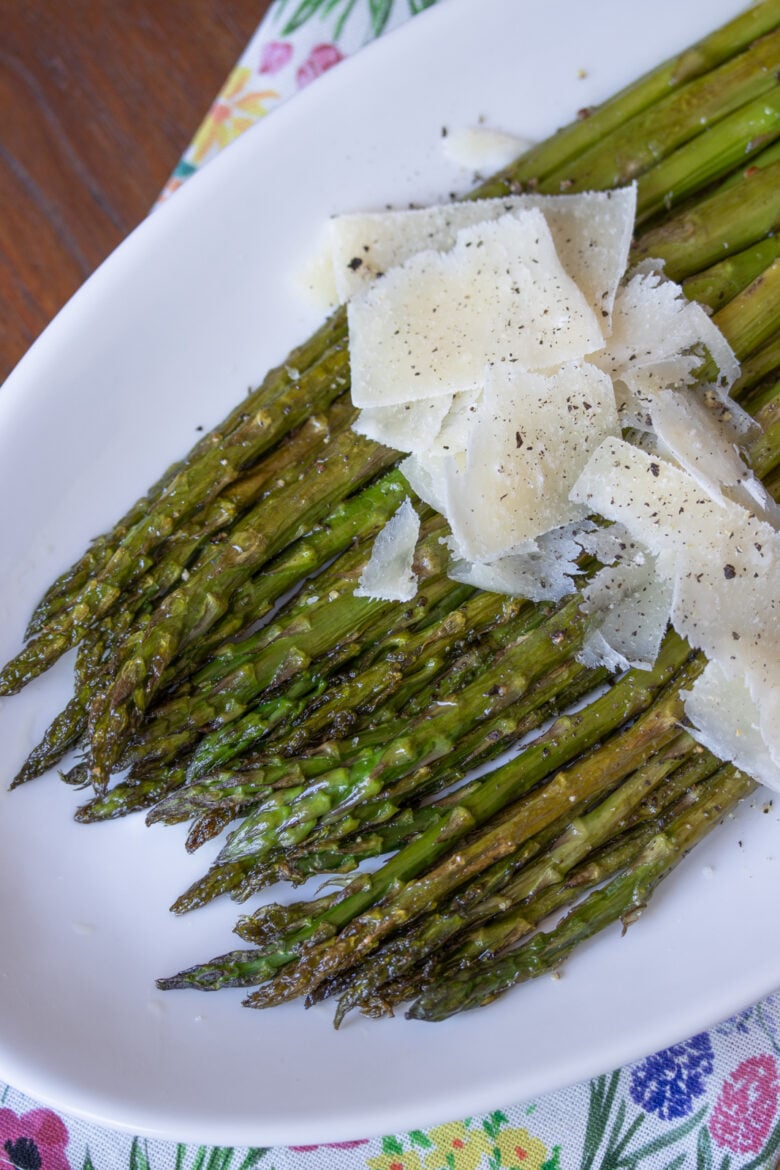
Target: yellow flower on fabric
(457, 1147)
(518, 1150)
(408, 1160)
(235, 110)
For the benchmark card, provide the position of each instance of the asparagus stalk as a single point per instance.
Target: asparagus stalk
(543, 700)
(569, 788)
(194, 486)
(709, 156)
(319, 636)
(595, 124)
(396, 818)
(656, 132)
(364, 690)
(497, 891)
(624, 898)
(749, 320)
(728, 221)
(506, 928)
(433, 735)
(513, 925)
(247, 432)
(563, 742)
(360, 516)
(281, 467)
(717, 285)
(385, 814)
(193, 608)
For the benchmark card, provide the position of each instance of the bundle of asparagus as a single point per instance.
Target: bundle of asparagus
(334, 728)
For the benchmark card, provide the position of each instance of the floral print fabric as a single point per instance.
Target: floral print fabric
(707, 1103)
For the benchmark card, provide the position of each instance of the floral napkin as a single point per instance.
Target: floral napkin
(707, 1103)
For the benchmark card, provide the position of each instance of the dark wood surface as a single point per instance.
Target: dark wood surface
(98, 99)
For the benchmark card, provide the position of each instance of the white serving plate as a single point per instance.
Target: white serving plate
(191, 310)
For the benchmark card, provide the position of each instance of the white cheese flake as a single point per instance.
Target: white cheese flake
(543, 571)
(530, 437)
(630, 605)
(691, 433)
(427, 478)
(480, 148)
(389, 575)
(724, 720)
(432, 325)
(591, 231)
(406, 426)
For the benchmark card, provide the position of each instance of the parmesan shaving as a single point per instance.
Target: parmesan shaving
(543, 571)
(723, 718)
(389, 576)
(722, 563)
(426, 477)
(530, 437)
(481, 148)
(407, 426)
(692, 434)
(653, 322)
(416, 334)
(591, 231)
(630, 605)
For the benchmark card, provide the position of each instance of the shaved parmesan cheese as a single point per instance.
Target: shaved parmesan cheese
(530, 437)
(692, 434)
(591, 231)
(723, 566)
(427, 478)
(388, 576)
(318, 279)
(416, 333)
(480, 148)
(630, 605)
(659, 504)
(652, 325)
(727, 600)
(453, 436)
(543, 571)
(724, 719)
(407, 426)
(608, 545)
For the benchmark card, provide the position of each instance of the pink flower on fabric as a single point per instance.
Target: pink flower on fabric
(745, 1109)
(274, 55)
(33, 1141)
(319, 60)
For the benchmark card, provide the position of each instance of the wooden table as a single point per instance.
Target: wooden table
(98, 98)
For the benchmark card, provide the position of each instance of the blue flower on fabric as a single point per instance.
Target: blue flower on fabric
(668, 1083)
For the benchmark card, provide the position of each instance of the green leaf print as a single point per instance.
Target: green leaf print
(253, 1156)
(418, 1138)
(602, 1096)
(704, 1150)
(676, 1163)
(378, 11)
(139, 1158)
(554, 1160)
(380, 14)
(87, 1164)
(305, 11)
